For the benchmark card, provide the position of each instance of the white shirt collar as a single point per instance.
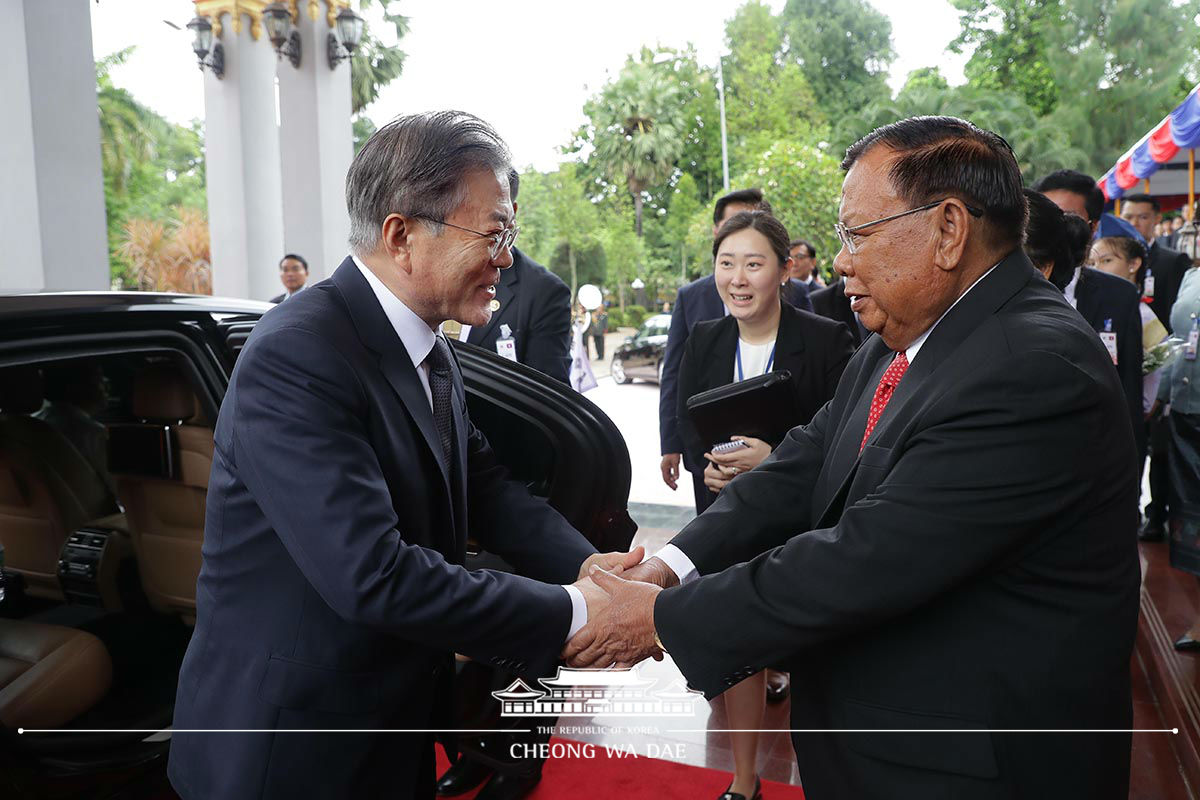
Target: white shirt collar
(1069, 289)
(414, 334)
(915, 347)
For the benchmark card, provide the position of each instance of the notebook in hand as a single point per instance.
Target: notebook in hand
(766, 407)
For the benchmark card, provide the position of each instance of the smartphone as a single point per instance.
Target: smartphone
(729, 447)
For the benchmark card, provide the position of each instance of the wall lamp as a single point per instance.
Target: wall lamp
(283, 36)
(202, 45)
(350, 30)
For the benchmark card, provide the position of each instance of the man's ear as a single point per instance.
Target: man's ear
(954, 226)
(396, 240)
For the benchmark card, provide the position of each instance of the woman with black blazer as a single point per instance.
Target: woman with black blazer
(759, 334)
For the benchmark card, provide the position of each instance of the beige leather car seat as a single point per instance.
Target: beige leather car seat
(165, 511)
(47, 488)
(49, 674)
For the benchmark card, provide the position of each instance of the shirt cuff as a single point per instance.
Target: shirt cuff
(578, 611)
(679, 563)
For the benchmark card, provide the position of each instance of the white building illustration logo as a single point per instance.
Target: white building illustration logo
(589, 692)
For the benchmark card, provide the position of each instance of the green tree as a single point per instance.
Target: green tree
(624, 254)
(375, 64)
(635, 129)
(126, 135)
(804, 185)
(1010, 48)
(1117, 64)
(1040, 145)
(574, 217)
(362, 128)
(767, 97)
(925, 77)
(844, 48)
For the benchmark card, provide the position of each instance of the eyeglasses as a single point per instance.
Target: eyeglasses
(846, 235)
(501, 239)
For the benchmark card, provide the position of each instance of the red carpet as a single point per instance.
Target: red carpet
(640, 778)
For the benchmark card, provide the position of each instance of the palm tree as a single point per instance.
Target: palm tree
(637, 129)
(375, 64)
(126, 126)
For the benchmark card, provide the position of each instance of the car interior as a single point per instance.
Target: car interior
(104, 466)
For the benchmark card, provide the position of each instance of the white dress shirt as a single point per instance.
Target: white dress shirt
(418, 339)
(678, 561)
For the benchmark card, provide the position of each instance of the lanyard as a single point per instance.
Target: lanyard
(770, 361)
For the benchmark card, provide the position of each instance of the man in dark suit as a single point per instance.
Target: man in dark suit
(1106, 301)
(832, 303)
(696, 302)
(293, 274)
(346, 478)
(1164, 269)
(804, 264)
(947, 545)
(535, 305)
(1159, 281)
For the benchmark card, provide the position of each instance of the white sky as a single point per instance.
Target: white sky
(526, 66)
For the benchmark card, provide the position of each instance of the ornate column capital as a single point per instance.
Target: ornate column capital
(236, 9)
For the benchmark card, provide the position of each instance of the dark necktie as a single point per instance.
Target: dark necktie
(883, 393)
(440, 386)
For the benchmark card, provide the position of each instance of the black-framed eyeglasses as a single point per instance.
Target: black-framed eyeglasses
(846, 235)
(501, 239)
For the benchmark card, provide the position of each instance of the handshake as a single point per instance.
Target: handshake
(620, 590)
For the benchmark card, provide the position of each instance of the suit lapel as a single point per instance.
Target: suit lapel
(1087, 298)
(949, 333)
(719, 371)
(377, 333)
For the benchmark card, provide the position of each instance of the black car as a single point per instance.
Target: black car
(107, 405)
(642, 354)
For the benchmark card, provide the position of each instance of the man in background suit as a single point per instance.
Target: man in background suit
(1105, 300)
(293, 274)
(535, 305)
(946, 545)
(346, 478)
(804, 264)
(832, 303)
(1158, 280)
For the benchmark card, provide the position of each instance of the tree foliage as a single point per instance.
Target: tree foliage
(635, 129)
(844, 48)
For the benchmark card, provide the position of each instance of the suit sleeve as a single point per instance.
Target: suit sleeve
(941, 515)
(840, 351)
(677, 334)
(548, 339)
(687, 385)
(301, 445)
(1129, 361)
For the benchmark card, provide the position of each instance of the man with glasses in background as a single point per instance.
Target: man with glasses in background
(946, 546)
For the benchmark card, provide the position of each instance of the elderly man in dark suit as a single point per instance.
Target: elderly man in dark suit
(947, 546)
(534, 305)
(346, 478)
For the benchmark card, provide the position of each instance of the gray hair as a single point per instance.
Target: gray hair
(414, 166)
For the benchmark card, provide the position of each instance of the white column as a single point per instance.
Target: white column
(317, 147)
(245, 202)
(52, 234)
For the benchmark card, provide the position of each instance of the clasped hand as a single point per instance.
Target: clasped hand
(620, 628)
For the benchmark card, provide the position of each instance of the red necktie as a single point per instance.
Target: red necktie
(883, 393)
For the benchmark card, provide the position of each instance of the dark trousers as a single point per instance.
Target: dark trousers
(704, 495)
(1158, 437)
(598, 343)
